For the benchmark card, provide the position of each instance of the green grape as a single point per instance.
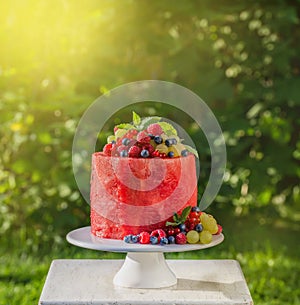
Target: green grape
(209, 223)
(162, 148)
(192, 237)
(111, 138)
(120, 133)
(205, 237)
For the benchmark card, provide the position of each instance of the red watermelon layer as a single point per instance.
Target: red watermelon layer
(131, 195)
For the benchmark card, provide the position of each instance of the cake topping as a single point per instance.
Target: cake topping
(148, 137)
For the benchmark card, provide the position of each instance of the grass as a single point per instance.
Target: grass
(268, 255)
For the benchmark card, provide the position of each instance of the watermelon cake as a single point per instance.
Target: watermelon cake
(144, 182)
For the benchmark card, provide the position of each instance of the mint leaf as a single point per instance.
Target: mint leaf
(168, 129)
(125, 126)
(192, 150)
(173, 224)
(176, 217)
(185, 213)
(136, 119)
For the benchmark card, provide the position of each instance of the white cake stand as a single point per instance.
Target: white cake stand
(144, 265)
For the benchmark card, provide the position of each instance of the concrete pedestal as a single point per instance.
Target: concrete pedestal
(199, 282)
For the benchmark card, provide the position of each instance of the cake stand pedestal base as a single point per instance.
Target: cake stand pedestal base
(145, 270)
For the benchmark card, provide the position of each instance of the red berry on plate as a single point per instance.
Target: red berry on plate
(155, 129)
(220, 229)
(159, 233)
(170, 232)
(144, 238)
(180, 238)
(194, 215)
(176, 230)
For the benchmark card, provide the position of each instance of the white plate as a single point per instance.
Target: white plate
(83, 238)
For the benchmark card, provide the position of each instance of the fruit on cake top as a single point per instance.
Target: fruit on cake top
(144, 174)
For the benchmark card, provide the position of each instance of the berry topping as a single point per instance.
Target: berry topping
(144, 238)
(127, 239)
(158, 140)
(153, 240)
(220, 229)
(124, 153)
(195, 209)
(164, 241)
(199, 227)
(134, 151)
(155, 129)
(171, 154)
(145, 153)
(171, 239)
(125, 141)
(159, 233)
(180, 238)
(107, 149)
(143, 137)
(135, 238)
(168, 142)
(182, 227)
(184, 153)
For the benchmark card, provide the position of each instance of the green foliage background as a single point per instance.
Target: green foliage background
(57, 57)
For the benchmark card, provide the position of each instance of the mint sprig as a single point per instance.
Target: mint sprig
(179, 219)
(136, 119)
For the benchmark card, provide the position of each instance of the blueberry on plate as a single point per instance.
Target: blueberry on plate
(164, 241)
(171, 239)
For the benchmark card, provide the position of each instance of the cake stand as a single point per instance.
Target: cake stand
(145, 265)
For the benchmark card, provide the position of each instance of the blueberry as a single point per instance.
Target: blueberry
(182, 227)
(184, 153)
(196, 209)
(171, 154)
(127, 238)
(113, 142)
(171, 239)
(135, 238)
(151, 136)
(199, 227)
(164, 241)
(158, 139)
(145, 153)
(124, 153)
(125, 141)
(169, 142)
(153, 240)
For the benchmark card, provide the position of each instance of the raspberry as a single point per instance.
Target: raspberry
(143, 137)
(149, 147)
(155, 129)
(180, 238)
(159, 233)
(134, 151)
(220, 229)
(144, 238)
(107, 149)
